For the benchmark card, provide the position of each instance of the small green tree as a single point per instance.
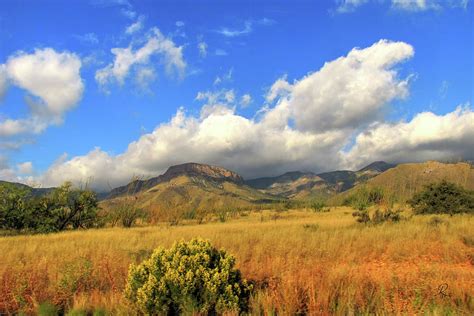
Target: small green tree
(443, 198)
(318, 206)
(190, 277)
(14, 211)
(67, 207)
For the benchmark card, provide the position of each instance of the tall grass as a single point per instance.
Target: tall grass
(337, 267)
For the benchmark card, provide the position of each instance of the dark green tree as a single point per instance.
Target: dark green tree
(14, 212)
(443, 198)
(65, 207)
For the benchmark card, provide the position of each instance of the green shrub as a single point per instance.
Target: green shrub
(47, 309)
(378, 217)
(318, 206)
(190, 277)
(63, 208)
(387, 215)
(362, 216)
(364, 197)
(443, 198)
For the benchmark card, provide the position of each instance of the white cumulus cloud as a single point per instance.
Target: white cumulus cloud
(426, 136)
(309, 126)
(53, 77)
(348, 91)
(127, 58)
(53, 84)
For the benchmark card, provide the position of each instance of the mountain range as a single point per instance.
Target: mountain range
(200, 186)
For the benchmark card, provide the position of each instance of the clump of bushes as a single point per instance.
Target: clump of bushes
(311, 227)
(443, 198)
(318, 206)
(63, 208)
(190, 277)
(378, 216)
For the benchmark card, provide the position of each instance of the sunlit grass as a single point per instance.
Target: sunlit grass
(301, 262)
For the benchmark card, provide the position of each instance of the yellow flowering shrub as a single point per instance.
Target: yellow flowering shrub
(190, 277)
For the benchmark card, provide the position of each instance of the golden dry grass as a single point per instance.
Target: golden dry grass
(301, 263)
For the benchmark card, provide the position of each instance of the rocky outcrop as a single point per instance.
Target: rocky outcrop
(208, 171)
(188, 169)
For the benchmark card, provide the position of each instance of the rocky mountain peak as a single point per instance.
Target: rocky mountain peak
(197, 169)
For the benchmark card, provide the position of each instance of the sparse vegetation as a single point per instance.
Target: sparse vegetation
(364, 197)
(126, 212)
(303, 263)
(318, 206)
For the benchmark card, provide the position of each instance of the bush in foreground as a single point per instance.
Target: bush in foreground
(443, 198)
(190, 277)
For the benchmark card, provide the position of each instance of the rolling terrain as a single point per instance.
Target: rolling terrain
(308, 185)
(195, 187)
(188, 188)
(32, 190)
(404, 180)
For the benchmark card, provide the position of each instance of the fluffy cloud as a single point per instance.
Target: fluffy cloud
(218, 136)
(426, 136)
(25, 167)
(53, 83)
(22, 172)
(280, 88)
(126, 59)
(51, 76)
(308, 126)
(348, 91)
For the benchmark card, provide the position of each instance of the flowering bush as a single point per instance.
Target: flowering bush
(190, 277)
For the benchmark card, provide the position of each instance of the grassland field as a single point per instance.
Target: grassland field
(301, 263)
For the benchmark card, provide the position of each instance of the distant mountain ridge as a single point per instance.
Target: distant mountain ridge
(189, 188)
(404, 180)
(202, 185)
(34, 191)
(303, 185)
(190, 169)
(379, 166)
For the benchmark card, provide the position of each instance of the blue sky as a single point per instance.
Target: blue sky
(212, 66)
